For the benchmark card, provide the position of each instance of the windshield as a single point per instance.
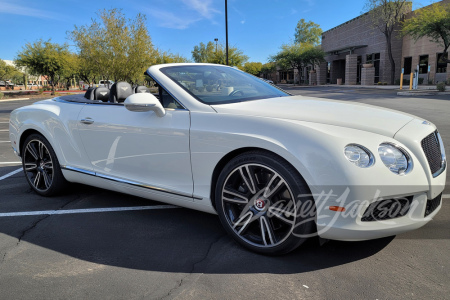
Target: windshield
(220, 85)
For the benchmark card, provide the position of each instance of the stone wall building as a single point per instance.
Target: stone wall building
(352, 47)
(354, 43)
(426, 55)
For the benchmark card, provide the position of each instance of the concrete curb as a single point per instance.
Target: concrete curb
(422, 93)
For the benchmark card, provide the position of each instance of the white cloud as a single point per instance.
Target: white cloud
(202, 7)
(170, 20)
(22, 10)
(243, 22)
(188, 12)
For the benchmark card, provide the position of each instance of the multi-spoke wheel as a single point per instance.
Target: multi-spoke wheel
(258, 198)
(41, 166)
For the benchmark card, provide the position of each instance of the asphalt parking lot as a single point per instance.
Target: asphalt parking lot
(153, 253)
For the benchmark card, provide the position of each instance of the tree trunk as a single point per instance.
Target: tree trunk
(388, 36)
(53, 86)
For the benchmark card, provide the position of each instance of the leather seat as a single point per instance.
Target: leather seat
(120, 91)
(101, 93)
(141, 89)
(89, 93)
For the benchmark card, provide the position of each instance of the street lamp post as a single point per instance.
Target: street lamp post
(226, 27)
(216, 40)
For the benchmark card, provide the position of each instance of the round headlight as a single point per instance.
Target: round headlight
(359, 155)
(396, 159)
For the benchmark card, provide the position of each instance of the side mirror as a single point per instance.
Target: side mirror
(143, 102)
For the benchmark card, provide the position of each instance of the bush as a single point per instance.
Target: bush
(47, 88)
(40, 91)
(440, 86)
(379, 83)
(1, 95)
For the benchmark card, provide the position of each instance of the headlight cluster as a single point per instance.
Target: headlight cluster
(359, 155)
(393, 157)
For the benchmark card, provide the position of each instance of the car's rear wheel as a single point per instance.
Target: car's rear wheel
(261, 201)
(41, 166)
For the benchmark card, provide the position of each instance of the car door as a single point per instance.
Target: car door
(139, 148)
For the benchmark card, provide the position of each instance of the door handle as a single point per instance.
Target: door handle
(87, 121)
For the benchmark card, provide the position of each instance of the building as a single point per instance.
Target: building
(425, 55)
(355, 43)
(357, 53)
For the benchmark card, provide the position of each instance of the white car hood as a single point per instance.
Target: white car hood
(332, 112)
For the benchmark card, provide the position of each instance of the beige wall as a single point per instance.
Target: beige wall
(424, 46)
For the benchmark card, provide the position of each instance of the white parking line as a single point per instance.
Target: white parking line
(446, 196)
(10, 174)
(4, 129)
(5, 141)
(83, 211)
(11, 163)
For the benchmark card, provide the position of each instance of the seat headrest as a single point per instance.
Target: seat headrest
(120, 91)
(101, 93)
(89, 93)
(141, 89)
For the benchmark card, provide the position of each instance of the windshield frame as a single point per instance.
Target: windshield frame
(246, 99)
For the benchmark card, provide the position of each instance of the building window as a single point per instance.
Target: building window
(374, 59)
(328, 72)
(423, 64)
(407, 65)
(441, 66)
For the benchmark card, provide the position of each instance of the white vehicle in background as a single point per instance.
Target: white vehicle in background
(276, 168)
(101, 83)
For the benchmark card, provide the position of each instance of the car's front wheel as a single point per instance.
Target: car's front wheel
(41, 166)
(264, 203)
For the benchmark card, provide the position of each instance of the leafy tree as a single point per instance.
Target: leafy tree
(6, 71)
(253, 68)
(297, 56)
(386, 15)
(433, 22)
(268, 69)
(44, 58)
(114, 48)
(166, 57)
(208, 54)
(308, 32)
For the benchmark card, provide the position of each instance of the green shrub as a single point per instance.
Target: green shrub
(440, 86)
(379, 83)
(1, 95)
(384, 83)
(40, 91)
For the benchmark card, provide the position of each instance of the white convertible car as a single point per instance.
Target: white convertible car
(275, 168)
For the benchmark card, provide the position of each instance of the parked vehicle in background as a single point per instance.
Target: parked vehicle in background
(267, 80)
(101, 83)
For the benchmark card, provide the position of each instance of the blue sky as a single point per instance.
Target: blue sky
(258, 27)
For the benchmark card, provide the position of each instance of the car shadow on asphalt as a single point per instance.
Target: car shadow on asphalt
(173, 240)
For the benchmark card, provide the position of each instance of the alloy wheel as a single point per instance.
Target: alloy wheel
(259, 205)
(38, 165)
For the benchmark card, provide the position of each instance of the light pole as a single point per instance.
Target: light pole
(226, 27)
(216, 40)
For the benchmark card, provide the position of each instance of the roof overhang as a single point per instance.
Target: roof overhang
(345, 50)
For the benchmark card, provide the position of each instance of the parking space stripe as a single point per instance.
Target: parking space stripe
(84, 211)
(10, 174)
(446, 196)
(10, 163)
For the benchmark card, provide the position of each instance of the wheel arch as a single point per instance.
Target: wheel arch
(228, 157)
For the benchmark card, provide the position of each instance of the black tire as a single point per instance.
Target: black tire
(261, 211)
(41, 166)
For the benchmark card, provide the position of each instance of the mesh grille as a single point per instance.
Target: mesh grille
(433, 204)
(387, 209)
(430, 146)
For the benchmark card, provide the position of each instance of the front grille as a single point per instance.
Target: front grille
(387, 209)
(430, 146)
(433, 204)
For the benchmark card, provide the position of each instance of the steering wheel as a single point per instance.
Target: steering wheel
(237, 93)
